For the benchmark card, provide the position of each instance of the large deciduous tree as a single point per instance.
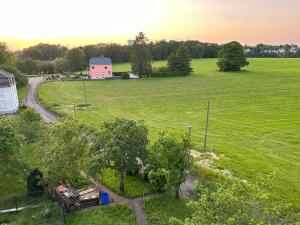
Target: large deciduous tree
(125, 141)
(172, 154)
(77, 59)
(232, 57)
(140, 56)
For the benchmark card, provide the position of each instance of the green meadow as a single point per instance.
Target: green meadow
(254, 120)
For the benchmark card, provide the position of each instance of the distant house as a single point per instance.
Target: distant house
(100, 68)
(9, 102)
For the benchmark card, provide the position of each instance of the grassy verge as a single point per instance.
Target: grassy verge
(47, 214)
(22, 92)
(134, 186)
(117, 214)
(160, 209)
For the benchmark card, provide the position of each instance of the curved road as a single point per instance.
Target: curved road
(31, 101)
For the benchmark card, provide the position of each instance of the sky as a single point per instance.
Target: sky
(80, 22)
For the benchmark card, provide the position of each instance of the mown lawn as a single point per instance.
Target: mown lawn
(134, 186)
(159, 210)
(254, 116)
(110, 215)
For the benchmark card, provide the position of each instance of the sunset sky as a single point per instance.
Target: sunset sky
(80, 22)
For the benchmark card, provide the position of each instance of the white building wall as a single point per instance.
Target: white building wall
(9, 102)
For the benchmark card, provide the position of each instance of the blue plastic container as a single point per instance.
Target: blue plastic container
(105, 198)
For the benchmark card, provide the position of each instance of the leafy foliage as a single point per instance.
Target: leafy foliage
(76, 58)
(44, 52)
(159, 179)
(34, 181)
(173, 155)
(232, 57)
(31, 125)
(5, 54)
(125, 141)
(20, 78)
(140, 56)
(236, 203)
(65, 152)
(10, 142)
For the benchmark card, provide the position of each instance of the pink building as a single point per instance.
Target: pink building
(100, 68)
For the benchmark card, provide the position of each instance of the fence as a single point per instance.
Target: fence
(22, 200)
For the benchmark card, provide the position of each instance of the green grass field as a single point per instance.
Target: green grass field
(160, 210)
(117, 214)
(254, 117)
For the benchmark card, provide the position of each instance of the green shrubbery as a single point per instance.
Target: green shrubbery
(20, 78)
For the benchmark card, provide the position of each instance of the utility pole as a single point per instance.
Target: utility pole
(84, 92)
(206, 127)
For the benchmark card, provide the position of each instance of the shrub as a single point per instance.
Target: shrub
(159, 179)
(34, 182)
(165, 72)
(125, 76)
(21, 79)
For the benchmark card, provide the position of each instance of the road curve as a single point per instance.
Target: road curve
(31, 101)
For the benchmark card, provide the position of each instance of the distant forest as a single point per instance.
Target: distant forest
(48, 58)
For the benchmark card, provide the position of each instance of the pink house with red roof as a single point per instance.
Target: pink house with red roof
(100, 68)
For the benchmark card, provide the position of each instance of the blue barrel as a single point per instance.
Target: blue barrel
(105, 198)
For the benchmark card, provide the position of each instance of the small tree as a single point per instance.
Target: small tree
(140, 56)
(125, 141)
(232, 57)
(173, 155)
(66, 151)
(34, 181)
(180, 61)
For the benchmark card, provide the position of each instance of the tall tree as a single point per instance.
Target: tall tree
(232, 57)
(124, 141)
(5, 54)
(140, 56)
(77, 59)
(172, 155)
(181, 61)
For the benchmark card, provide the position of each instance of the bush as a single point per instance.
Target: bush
(125, 76)
(159, 179)
(34, 182)
(165, 72)
(119, 74)
(21, 79)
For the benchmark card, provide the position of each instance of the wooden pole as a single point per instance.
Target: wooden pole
(84, 92)
(74, 110)
(206, 126)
